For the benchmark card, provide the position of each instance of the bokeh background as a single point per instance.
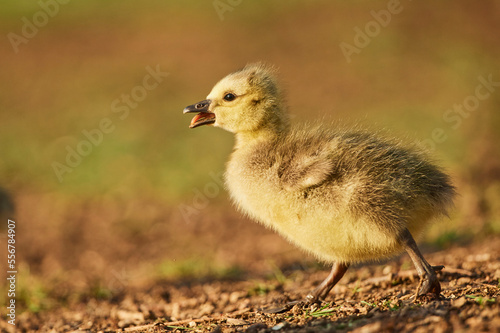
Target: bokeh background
(145, 201)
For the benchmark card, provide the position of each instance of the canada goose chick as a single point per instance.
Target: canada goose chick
(345, 197)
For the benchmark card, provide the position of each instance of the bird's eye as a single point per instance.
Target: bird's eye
(229, 97)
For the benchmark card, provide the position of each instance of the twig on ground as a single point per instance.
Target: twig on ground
(188, 321)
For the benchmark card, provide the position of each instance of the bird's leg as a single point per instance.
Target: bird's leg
(429, 282)
(324, 288)
(321, 291)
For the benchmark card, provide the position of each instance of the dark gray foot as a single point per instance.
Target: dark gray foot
(429, 283)
(337, 272)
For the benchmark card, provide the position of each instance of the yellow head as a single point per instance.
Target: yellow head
(246, 101)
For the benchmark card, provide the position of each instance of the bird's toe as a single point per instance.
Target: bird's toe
(429, 284)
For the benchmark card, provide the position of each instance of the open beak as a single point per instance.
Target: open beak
(204, 116)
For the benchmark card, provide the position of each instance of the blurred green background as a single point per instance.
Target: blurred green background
(147, 199)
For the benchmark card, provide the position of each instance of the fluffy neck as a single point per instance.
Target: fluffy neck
(271, 129)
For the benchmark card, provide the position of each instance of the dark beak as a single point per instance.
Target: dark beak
(204, 116)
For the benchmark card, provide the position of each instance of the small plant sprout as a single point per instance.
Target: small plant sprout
(391, 307)
(356, 288)
(182, 328)
(324, 311)
(481, 300)
(369, 304)
(261, 289)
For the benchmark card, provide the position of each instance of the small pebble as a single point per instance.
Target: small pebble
(236, 322)
(256, 328)
(279, 326)
(459, 302)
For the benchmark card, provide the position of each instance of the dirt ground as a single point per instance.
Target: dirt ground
(370, 298)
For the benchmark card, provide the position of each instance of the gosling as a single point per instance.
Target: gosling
(344, 196)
